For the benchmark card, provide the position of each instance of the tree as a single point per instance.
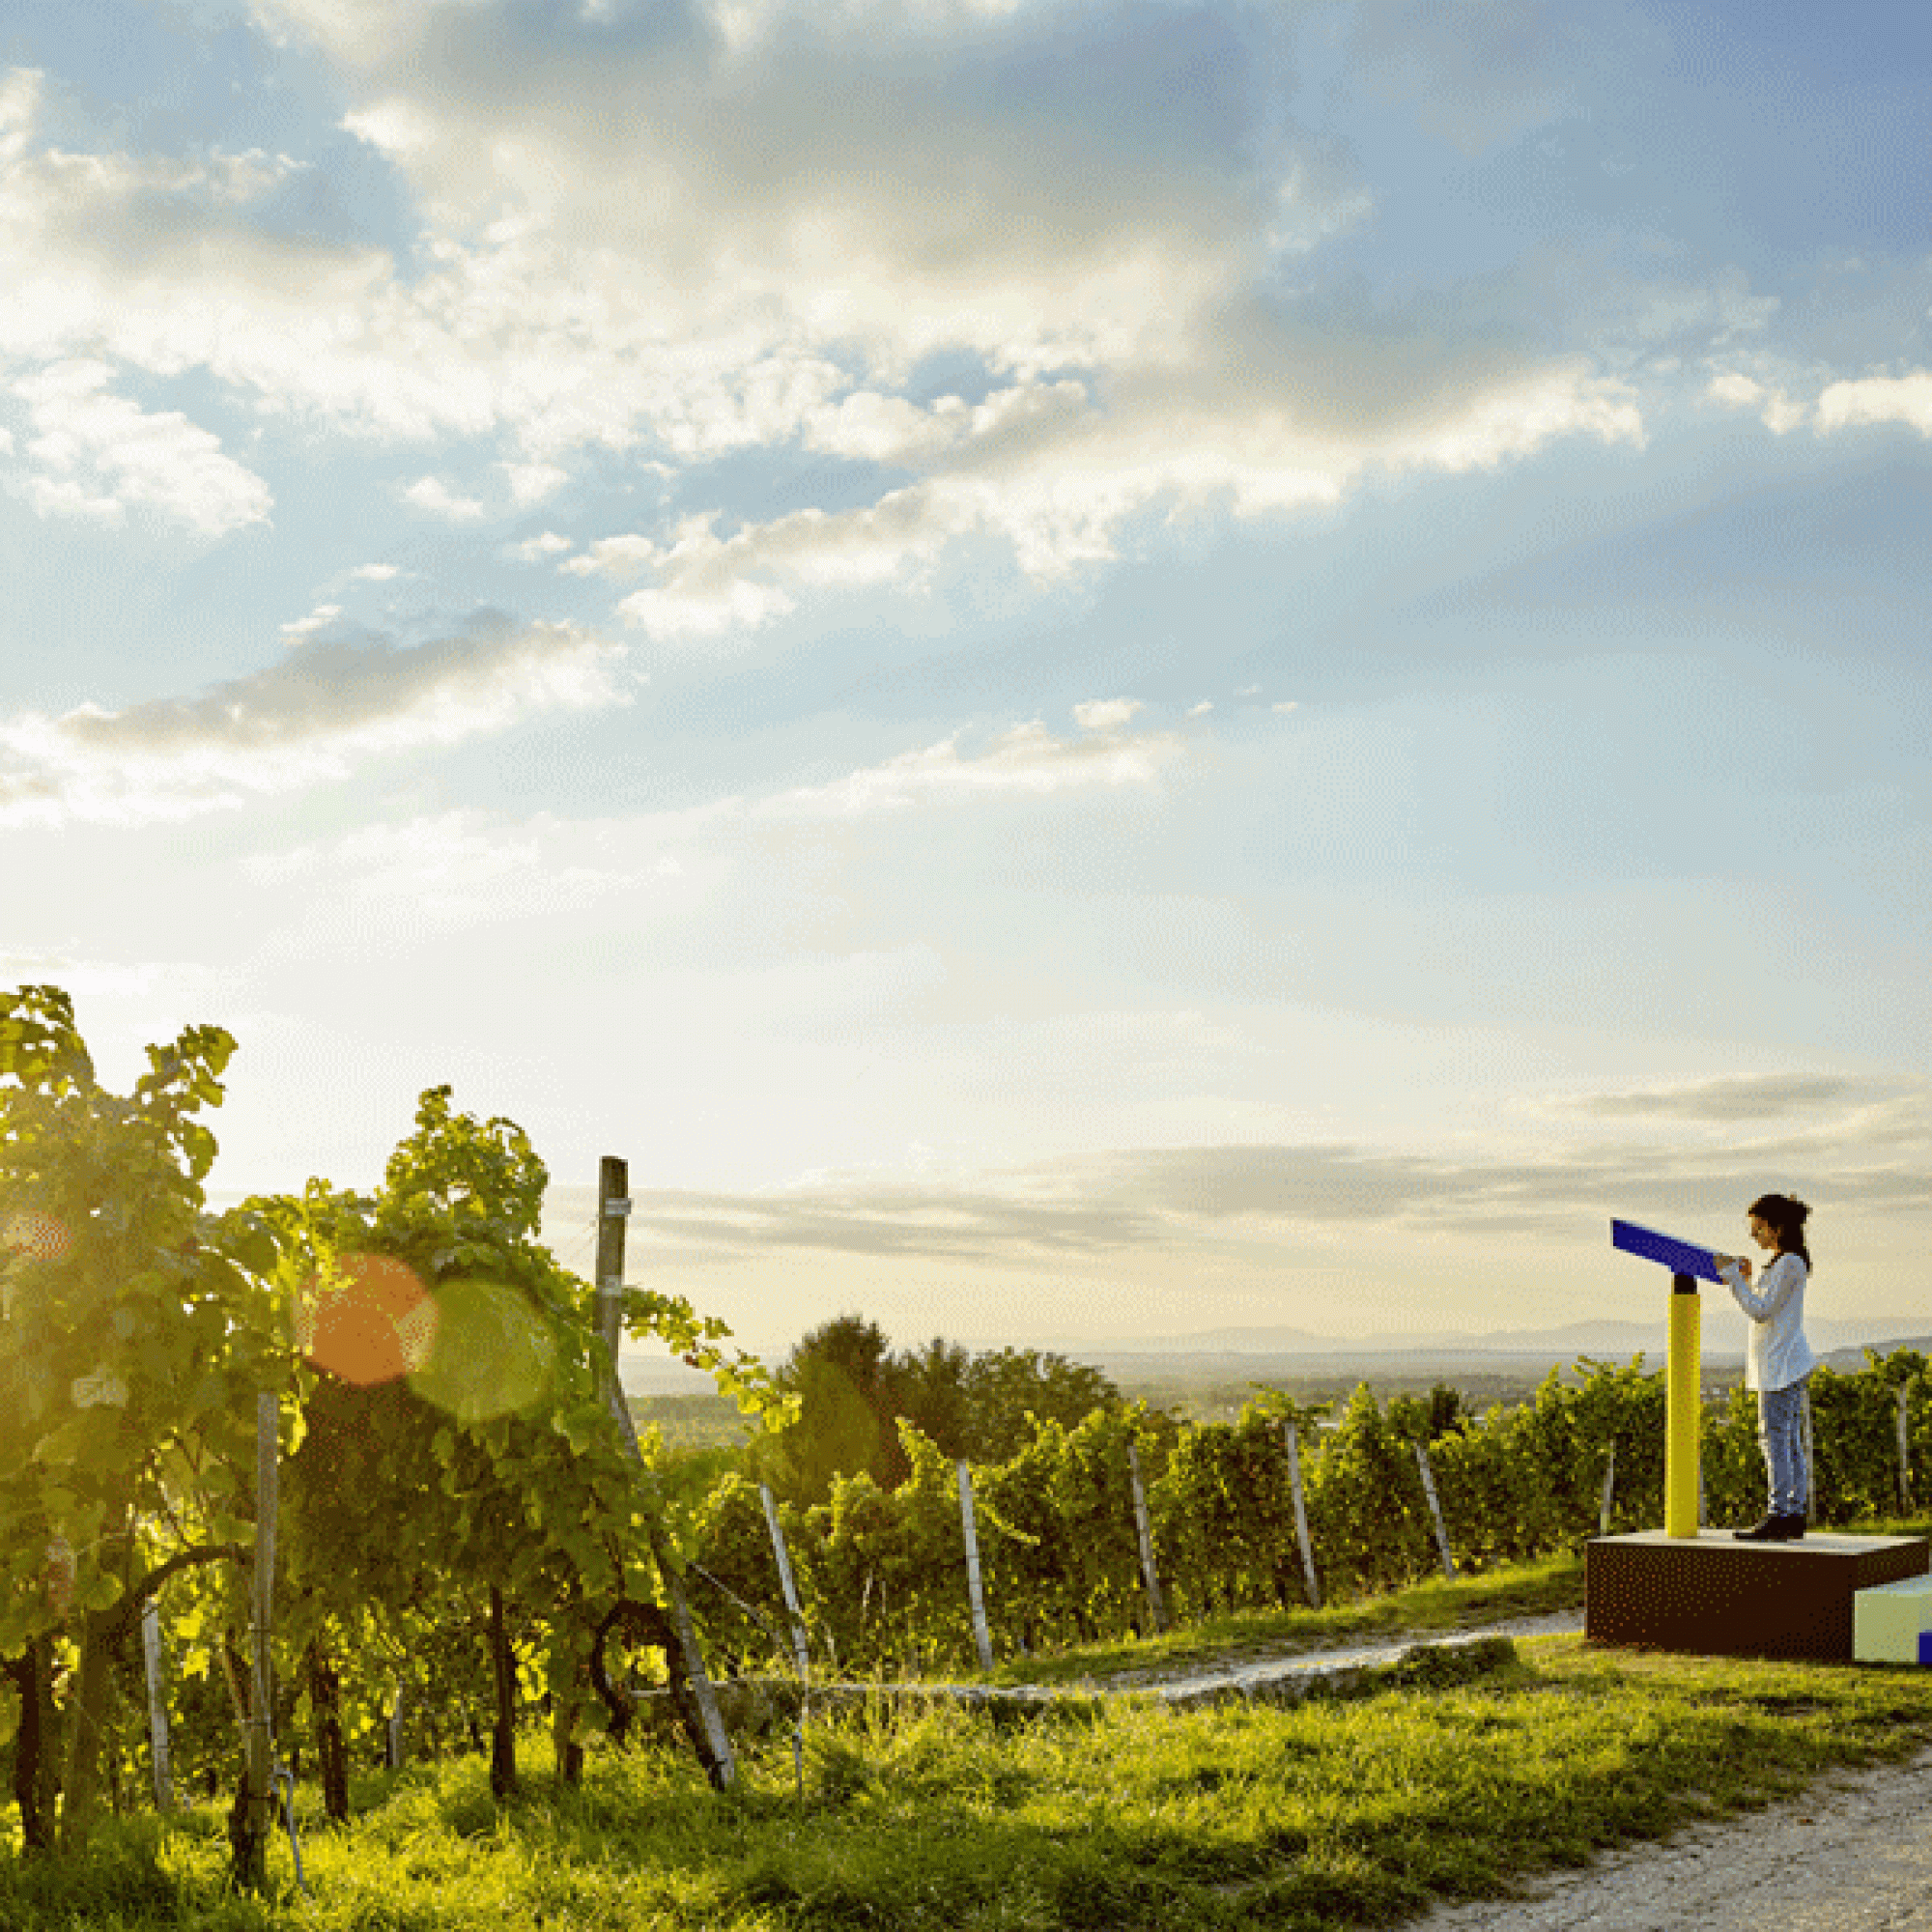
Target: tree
(853, 1391)
(493, 1481)
(135, 1331)
(842, 1377)
(1003, 1386)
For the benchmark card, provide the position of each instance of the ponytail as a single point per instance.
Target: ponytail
(1785, 1215)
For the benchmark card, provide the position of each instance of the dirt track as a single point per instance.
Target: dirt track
(1853, 1854)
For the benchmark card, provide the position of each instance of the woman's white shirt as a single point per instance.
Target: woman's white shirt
(1776, 1353)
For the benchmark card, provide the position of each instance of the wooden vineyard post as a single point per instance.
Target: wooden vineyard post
(785, 1581)
(982, 1636)
(1904, 1452)
(1301, 1515)
(1811, 1467)
(613, 1205)
(1434, 1510)
(157, 1709)
(249, 1830)
(1156, 1605)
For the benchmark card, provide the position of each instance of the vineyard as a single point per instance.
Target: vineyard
(220, 1556)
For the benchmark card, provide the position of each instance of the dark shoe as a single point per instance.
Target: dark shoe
(1791, 1529)
(1770, 1531)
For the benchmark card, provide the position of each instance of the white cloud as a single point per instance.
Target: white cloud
(318, 620)
(325, 708)
(465, 869)
(1289, 704)
(95, 454)
(532, 482)
(535, 549)
(1778, 412)
(621, 557)
(1025, 759)
(610, 264)
(1106, 714)
(375, 572)
(432, 495)
(1876, 399)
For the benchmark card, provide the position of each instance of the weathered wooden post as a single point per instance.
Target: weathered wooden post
(982, 1636)
(1904, 1452)
(786, 1582)
(248, 1829)
(614, 1207)
(1811, 1463)
(1434, 1510)
(1156, 1603)
(157, 1709)
(1301, 1515)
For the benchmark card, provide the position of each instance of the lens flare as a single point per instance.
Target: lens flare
(377, 1326)
(40, 1238)
(491, 1354)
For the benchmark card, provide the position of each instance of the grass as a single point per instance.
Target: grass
(1361, 1809)
(1543, 1588)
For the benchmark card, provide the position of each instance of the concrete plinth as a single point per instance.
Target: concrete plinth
(1713, 1596)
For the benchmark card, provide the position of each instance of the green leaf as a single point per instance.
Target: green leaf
(100, 1591)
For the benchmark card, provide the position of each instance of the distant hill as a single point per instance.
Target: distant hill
(1721, 1333)
(1241, 1354)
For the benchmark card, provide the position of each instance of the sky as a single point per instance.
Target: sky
(1082, 672)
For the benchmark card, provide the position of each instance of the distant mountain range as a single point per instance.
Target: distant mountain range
(1721, 1339)
(1721, 1333)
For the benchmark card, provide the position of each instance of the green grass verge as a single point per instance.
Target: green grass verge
(1360, 1809)
(1433, 1609)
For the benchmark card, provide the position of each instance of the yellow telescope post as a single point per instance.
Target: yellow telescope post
(1683, 1411)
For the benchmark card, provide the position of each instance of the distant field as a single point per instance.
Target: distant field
(1204, 1390)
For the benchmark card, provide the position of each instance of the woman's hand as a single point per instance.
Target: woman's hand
(1721, 1262)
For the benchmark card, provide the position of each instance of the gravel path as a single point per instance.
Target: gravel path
(1853, 1854)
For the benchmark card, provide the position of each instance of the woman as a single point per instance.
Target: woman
(1778, 1359)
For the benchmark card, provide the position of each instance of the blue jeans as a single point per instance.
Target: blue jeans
(1780, 1434)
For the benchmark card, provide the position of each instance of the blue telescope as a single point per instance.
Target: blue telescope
(1688, 1265)
(1679, 1257)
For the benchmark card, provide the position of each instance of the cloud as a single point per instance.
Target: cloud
(533, 482)
(607, 261)
(1184, 1200)
(1778, 412)
(461, 868)
(327, 706)
(95, 454)
(1106, 714)
(1760, 1096)
(432, 494)
(1879, 399)
(1026, 758)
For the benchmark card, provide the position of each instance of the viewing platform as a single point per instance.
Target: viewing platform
(1714, 1596)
